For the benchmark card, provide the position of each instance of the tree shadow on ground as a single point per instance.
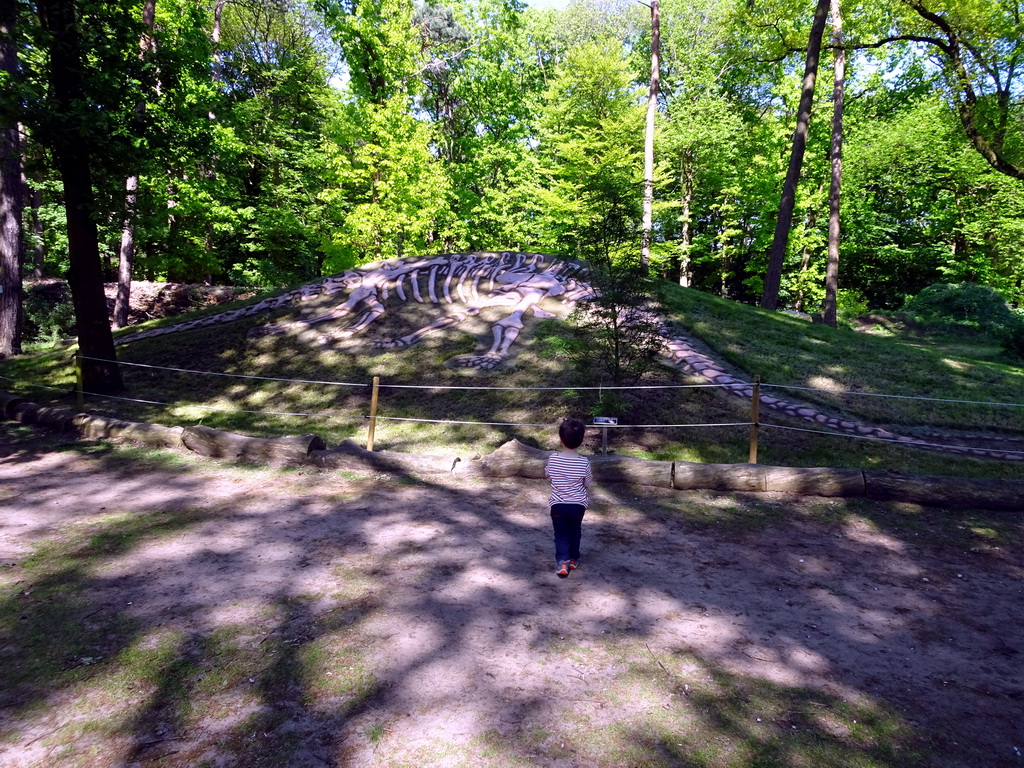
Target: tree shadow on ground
(185, 615)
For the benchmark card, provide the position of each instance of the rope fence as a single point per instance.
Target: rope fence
(754, 424)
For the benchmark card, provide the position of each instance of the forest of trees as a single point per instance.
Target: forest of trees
(267, 142)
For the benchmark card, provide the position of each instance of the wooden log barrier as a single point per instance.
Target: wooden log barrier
(48, 416)
(348, 455)
(513, 459)
(624, 469)
(815, 481)
(7, 404)
(942, 491)
(277, 451)
(812, 481)
(103, 427)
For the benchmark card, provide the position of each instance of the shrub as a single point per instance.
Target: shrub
(850, 304)
(617, 336)
(49, 315)
(967, 305)
(1013, 341)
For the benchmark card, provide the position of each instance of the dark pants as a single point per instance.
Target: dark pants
(567, 520)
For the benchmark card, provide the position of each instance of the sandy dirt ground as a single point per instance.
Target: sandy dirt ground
(470, 649)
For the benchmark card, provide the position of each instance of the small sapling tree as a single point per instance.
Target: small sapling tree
(617, 331)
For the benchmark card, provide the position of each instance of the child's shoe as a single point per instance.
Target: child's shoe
(563, 569)
(574, 564)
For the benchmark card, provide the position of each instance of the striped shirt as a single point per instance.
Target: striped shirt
(570, 476)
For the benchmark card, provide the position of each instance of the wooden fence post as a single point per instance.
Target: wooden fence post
(755, 414)
(373, 413)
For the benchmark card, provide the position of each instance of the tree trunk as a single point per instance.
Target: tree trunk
(38, 232)
(835, 186)
(218, 62)
(12, 200)
(965, 97)
(773, 276)
(126, 256)
(686, 181)
(652, 108)
(813, 481)
(100, 373)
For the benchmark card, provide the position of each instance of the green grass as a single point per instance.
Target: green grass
(782, 350)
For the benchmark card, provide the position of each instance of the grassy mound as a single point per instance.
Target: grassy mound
(784, 351)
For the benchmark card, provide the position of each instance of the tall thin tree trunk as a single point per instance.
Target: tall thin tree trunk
(218, 62)
(38, 232)
(126, 257)
(838, 89)
(12, 200)
(652, 108)
(32, 200)
(686, 181)
(126, 260)
(216, 77)
(773, 275)
(100, 372)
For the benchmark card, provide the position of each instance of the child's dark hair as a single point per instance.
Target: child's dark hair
(571, 433)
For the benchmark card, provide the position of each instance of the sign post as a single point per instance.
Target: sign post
(603, 422)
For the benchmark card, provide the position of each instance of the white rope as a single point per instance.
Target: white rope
(34, 386)
(216, 408)
(234, 375)
(548, 389)
(404, 386)
(665, 426)
(734, 385)
(915, 443)
(555, 424)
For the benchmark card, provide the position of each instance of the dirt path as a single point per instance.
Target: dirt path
(389, 621)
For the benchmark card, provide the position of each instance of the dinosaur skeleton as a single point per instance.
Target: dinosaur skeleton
(517, 281)
(466, 284)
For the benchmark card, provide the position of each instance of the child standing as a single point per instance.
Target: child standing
(570, 477)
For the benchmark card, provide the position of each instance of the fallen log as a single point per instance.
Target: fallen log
(625, 469)
(7, 404)
(945, 491)
(103, 427)
(277, 451)
(49, 416)
(811, 481)
(348, 455)
(513, 459)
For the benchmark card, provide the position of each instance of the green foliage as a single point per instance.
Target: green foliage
(321, 134)
(610, 403)
(850, 304)
(966, 304)
(49, 315)
(1013, 341)
(618, 336)
(590, 149)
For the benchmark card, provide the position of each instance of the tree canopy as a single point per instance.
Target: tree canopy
(274, 141)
